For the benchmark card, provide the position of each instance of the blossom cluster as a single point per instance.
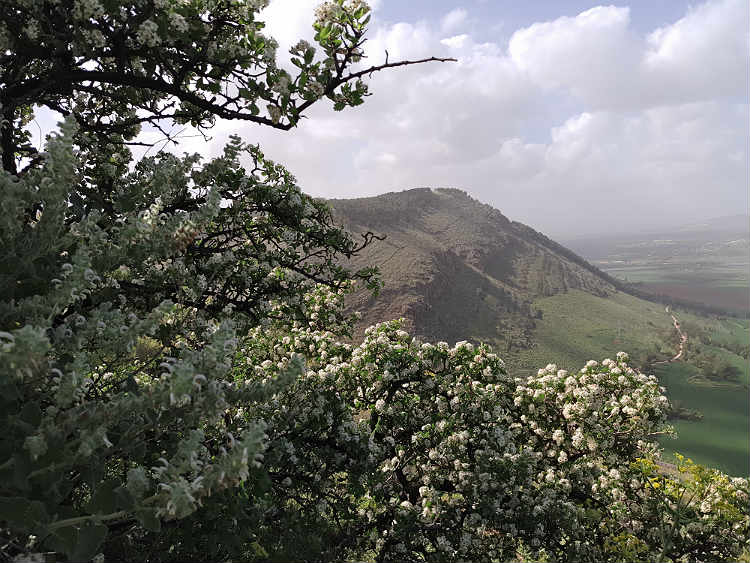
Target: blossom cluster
(457, 460)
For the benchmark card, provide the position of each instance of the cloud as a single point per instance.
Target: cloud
(453, 20)
(576, 124)
(597, 57)
(455, 42)
(592, 55)
(704, 54)
(609, 171)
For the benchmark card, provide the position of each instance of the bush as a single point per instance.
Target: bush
(176, 378)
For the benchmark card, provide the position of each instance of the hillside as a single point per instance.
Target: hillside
(457, 269)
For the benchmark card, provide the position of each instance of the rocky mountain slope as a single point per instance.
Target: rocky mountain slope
(456, 268)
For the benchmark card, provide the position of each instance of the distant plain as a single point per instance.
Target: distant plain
(706, 264)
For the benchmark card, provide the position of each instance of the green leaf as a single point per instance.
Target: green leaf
(148, 519)
(10, 392)
(63, 540)
(257, 550)
(90, 538)
(53, 480)
(31, 413)
(104, 500)
(124, 498)
(92, 474)
(22, 513)
(21, 468)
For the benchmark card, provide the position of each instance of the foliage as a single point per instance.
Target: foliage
(129, 285)
(716, 367)
(176, 381)
(410, 451)
(115, 66)
(118, 336)
(699, 514)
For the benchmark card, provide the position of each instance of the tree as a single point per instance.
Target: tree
(176, 381)
(412, 451)
(127, 288)
(115, 66)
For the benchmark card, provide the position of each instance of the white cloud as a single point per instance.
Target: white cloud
(602, 62)
(576, 124)
(705, 54)
(611, 171)
(592, 55)
(456, 41)
(453, 20)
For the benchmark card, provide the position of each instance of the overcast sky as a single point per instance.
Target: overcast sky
(569, 116)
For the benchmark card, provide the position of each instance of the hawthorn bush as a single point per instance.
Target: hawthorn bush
(400, 450)
(177, 377)
(127, 286)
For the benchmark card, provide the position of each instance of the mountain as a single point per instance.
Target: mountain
(456, 268)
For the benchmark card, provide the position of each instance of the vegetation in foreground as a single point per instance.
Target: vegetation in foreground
(176, 381)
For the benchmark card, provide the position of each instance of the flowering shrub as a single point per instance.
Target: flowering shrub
(177, 379)
(117, 349)
(420, 452)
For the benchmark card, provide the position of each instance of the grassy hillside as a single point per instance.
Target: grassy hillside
(458, 269)
(577, 326)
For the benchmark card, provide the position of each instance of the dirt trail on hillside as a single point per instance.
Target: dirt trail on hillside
(683, 339)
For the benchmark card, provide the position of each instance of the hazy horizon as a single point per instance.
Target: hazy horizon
(730, 223)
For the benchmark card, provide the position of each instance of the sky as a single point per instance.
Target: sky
(572, 117)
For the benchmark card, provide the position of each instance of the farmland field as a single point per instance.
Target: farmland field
(709, 265)
(727, 296)
(721, 438)
(722, 285)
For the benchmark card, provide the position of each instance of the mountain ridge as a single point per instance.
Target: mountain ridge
(457, 268)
